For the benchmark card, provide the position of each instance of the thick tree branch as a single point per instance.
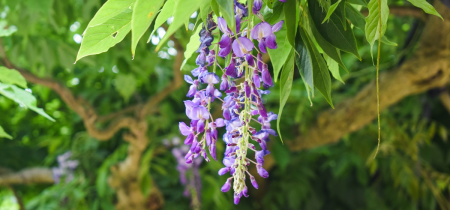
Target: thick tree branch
(27, 176)
(428, 68)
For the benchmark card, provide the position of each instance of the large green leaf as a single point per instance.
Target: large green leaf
(226, 7)
(192, 46)
(427, 7)
(166, 13)
(13, 77)
(204, 11)
(304, 63)
(215, 7)
(358, 2)
(372, 28)
(329, 49)
(321, 75)
(143, 14)
(331, 10)
(125, 85)
(291, 19)
(287, 75)
(3, 134)
(22, 97)
(333, 31)
(100, 38)
(109, 10)
(278, 56)
(183, 11)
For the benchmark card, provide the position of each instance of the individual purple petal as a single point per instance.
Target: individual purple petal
(189, 139)
(230, 70)
(188, 79)
(200, 126)
(259, 155)
(262, 46)
(224, 83)
(228, 161)
(212, 150)
(210, 90)
(236, 199)
(226, 186)
(245, 191)
(223, 25)
(238, 23)
(242, 46)
(220, 122)
(277, 26)
(198, 112)
(256, 79)
(257, 5)
(201, 59)
(196, 72)
(210, 78)
(223, 171)
(253, 181)
(194, 145)
(225, 41)
(223, 52)
(247, 89)
(250, 60)
(266, 78)
(192, 91)
(260, 62)
(226, 114)
(217, 93)
(208, 137)
(185, 130)
(261, 171)
(261, 30)
(270, 41)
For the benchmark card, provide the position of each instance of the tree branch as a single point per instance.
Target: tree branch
(28, 176)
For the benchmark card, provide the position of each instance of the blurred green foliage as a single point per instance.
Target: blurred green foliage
(339, 176)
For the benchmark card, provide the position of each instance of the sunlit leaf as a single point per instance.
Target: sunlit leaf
(109, 10)
(183, 10)
(372, 27)
(278, 56)
(290, 17)
(13, 77)
(100, 38)
(287, 75)
(333, 66)
(166, 13)
(143, 14)
(427, 7)
(192, 46)
(226, 7)
(6, 30)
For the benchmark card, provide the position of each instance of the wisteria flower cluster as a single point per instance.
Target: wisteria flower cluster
(240, 92)
(65, 169)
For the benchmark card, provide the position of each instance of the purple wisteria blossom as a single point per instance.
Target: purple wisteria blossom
(243, 76)
(65, 168)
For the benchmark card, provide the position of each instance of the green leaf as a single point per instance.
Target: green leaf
(183, 11)
(322, 80)
(109, 10)
(358, 2)
(287, 75)
(215, 7)
(12, 77)
(22, 97)
(372, 21)
(281, 154)
(278, 56)
(329, 49)
(290, 16)
(166, 13)
(331, 10)
(355, 16)
(125, 84)
(426, 7)
(269, 3)
(100, 38)
(3, 134)
(6, 30)
(333, 66)
(192, 46)
(204, 11)
(304, 63)
(333, 31)
(226, 7)
(143, 14)
(385, 40)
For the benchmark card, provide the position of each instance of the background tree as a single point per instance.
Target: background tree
(115, 112)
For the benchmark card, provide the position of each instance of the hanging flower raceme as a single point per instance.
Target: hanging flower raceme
(242, 104)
